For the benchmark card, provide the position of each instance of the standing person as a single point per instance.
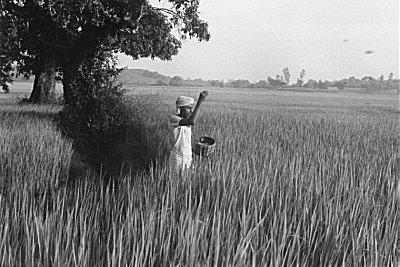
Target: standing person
(180, 157)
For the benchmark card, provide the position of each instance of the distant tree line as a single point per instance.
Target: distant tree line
(179, 81)
(280, 81)
(283, 81)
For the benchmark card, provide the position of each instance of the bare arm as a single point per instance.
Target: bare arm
(195, 114)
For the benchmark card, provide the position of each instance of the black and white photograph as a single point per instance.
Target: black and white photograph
(199, 133)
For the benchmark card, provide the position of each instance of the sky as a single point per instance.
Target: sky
(254, 39)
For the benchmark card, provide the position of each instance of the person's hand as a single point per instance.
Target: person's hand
(204, 95)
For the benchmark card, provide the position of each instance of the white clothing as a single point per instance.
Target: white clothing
(179, 164)
(180, 157)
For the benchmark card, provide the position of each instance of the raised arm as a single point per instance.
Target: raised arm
(195, 114)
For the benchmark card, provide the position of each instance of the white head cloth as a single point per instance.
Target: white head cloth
(184, 101)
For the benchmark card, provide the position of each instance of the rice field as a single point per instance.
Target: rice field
(297, 179)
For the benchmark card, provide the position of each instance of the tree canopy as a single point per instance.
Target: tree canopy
(44, 36)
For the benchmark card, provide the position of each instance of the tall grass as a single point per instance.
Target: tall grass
(283, 188)
(34, 156)
(308, 190)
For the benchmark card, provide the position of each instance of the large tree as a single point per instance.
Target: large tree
(286, 75)
(46, 36)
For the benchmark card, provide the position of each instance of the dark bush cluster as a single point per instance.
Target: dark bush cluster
(104, 123)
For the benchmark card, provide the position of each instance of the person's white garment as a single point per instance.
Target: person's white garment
(180, 157)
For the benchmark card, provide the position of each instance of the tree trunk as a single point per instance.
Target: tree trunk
(73, 60)
(67, 76)
(44, 86)
(70, 72)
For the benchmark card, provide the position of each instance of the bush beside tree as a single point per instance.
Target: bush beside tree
(104, 123)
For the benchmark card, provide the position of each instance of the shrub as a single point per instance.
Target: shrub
(176, 81)
(161, 83)
(104, 123)
(95, 117)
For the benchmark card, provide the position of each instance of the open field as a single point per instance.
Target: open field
(299, 178)
(351, 104)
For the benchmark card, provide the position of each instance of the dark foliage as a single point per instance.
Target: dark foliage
(35, 33)
(97, 118)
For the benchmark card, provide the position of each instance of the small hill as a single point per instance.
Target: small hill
(142, 77)
(135, 77)
(127, 76)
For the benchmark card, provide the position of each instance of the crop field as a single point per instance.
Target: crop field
(298, 178)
